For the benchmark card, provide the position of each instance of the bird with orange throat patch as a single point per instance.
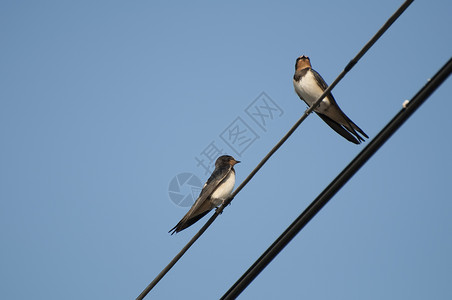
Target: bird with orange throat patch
(309, 85)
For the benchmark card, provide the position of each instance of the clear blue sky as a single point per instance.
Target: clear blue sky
(103, 103)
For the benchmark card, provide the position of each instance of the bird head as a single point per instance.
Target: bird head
(302, 63)
(226, 160)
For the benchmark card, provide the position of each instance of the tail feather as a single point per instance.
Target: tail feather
(355, 127)
(344, 132)
(184, 223)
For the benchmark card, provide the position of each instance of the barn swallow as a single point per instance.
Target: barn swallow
(309, 85)
(217, 188)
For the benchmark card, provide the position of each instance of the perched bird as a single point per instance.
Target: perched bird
(309, 85)
(217, 188)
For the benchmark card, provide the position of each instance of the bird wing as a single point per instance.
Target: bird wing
(218, 175)
(338, 128)
(352, 126)
(323, 85)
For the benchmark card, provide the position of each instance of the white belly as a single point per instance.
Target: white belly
(224, 190)
(310, 91)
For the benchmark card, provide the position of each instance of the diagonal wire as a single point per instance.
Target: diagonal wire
(219, 210)
(338, 182)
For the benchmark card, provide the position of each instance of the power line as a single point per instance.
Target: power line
(219, 210)
(338, 182)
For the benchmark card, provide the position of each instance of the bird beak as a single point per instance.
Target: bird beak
(234, 162)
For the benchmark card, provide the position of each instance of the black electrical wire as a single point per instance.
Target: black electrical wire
(339, 182)
(219, 210)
